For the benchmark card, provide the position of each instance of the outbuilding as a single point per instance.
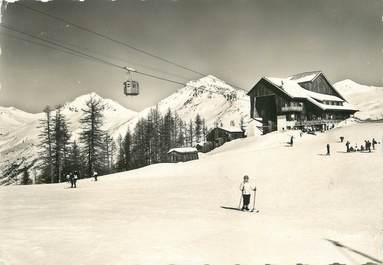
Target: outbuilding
(182, 154)
(220, 135)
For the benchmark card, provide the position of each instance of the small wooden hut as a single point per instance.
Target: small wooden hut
(220, 135)
(182, 154)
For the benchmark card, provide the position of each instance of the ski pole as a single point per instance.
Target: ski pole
(240, 202)
(254, 201)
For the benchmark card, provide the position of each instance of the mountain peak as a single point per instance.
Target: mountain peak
(211, 78)
(81, 101)
(86, 97)
(347, 82)
(210, 83)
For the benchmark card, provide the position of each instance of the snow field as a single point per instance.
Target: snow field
(171, 213)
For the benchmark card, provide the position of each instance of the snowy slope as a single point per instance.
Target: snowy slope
(172, 213)
(19, 143)
(209, 97)
(368, 99)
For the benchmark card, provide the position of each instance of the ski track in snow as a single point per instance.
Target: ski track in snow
(171, 213)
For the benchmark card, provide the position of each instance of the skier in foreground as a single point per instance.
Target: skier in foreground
(246, 189)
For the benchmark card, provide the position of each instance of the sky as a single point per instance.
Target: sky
(238, 41)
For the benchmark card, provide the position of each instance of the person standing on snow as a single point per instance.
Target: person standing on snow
(328, 149)
(71, 178)
(246, 188)
(95, 174)
(369, 146)
(348, 146)
(373, 143)
(75, 177)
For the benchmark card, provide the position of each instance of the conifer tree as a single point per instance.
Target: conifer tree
(25, 180)
(92, 134)
(191, 133)
(204, 130)
(107, 154)
(167, 129)
(46, 147)
(127, 143)
(181, 134)
(75, 160)
(120, 165)
(198, 128)
(176, 130)
(60, 137)
(139, 144)
(153, 136)
(113, 150)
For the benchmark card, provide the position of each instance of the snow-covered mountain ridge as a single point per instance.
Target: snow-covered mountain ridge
(209, 97)
(368, 99)
(12, 118)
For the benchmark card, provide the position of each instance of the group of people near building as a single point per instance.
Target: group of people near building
(366, 147)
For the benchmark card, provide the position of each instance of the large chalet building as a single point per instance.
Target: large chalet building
(302, 100)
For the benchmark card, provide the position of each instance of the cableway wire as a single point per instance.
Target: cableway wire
(80, 27)
(74, 52)
(108, 38)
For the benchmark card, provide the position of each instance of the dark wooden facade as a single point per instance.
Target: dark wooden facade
(218, 136)
(320, 85)
(268, 101)
(175, 156)
(204, 147)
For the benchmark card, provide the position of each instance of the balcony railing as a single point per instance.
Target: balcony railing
(291, 108)
(316, 122)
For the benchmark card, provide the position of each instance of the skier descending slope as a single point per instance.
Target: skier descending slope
(246, 189)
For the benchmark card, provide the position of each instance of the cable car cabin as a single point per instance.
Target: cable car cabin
(131, 88)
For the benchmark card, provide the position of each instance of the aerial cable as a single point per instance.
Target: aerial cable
(115, 40)
(109, 38)
(74, 52)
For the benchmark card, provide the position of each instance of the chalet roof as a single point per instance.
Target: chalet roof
(305, 76)
(294, 90)
(184, 150)
(232, 129)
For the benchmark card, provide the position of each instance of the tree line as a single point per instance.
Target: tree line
(154, 135)
(96, 151)
(59, 156)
